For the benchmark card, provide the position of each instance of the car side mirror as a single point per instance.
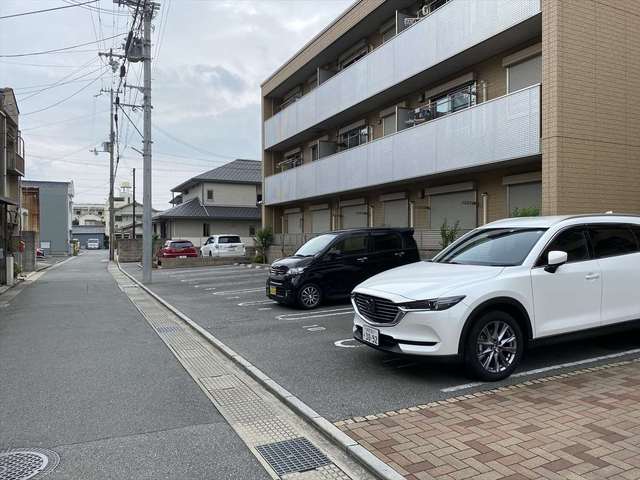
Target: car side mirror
(555, 258)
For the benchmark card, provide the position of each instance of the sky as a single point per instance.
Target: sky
(209, 59)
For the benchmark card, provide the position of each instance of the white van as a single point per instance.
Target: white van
(223, 246)
(93, 244)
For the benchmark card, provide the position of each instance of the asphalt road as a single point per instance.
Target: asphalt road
(298, 348)
(83, 374)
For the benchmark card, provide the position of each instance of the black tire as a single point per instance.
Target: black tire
(500, 357)
(309, 296)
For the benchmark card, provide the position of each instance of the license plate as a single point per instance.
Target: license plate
(182, 256)
(273, 291)
(370, 335)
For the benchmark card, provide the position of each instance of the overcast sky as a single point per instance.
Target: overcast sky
(212, 57)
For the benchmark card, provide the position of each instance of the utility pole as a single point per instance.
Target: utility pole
(134, 204)
(147, 239)
(112, 138)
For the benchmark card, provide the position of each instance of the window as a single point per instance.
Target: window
(252, 230)
(389, 33)
(524, 74)
(205, 230)
(497, 247)
(314, 152)
(181, 244)
(315, 245)
(612, 240)
(353, 138)
(352, 245)
(389, 124)
(118, 218)
(210, 195)
(386, 241)
(290, 161)
(455, 100)
(229, 239)
(572, 241)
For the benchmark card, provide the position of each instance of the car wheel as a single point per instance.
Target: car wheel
(494, 346)
(309, 296)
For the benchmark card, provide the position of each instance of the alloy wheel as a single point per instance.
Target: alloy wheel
(496, 346)
(310, 296)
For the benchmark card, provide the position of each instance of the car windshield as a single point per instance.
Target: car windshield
(499, 247)
(315, 245)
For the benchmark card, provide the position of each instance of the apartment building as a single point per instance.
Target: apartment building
(219, 201)
(89, 214)
(123, 214)
(11, 173)
(454, 112)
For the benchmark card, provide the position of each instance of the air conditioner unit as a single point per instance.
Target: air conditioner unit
(424, 11)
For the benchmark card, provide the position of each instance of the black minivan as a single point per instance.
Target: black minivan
(332, 264)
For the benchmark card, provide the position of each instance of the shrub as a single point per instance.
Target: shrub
(448, 233)
(263, 240)
(526, 212)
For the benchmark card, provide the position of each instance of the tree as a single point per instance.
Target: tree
(448, 233)
(263, 240)
(526, 212)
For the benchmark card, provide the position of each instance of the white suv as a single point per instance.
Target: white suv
(223, 246)
(503, 287)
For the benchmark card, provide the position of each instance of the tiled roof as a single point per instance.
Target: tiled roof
(193, 209)
(237, 171)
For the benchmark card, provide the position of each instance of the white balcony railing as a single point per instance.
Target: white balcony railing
(501, 129)
(451, 29)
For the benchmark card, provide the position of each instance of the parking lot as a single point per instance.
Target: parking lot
(312, 354)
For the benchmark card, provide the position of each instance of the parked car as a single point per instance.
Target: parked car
(223, 246)
(39, 252)
(177, 249)
(93, 244)
(504, 287)
(331, 264)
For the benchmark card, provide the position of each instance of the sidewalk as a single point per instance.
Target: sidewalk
(83, 374)
(582, 425)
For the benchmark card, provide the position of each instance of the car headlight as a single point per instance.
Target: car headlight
(296, 270)
(432, 304)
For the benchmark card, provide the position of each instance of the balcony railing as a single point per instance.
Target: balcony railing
(449, 30)
(495, 131)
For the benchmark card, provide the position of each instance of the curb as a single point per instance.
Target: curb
(356, 451)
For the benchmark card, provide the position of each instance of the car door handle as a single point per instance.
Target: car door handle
(399, 254)
(362, 259)
(592, 276)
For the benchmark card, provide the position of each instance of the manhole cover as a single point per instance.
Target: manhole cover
(21, 464)
(296, 455)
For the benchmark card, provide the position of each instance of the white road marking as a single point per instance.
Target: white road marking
(265, 308)
(548, 369)
(313, 328)
(233, 298)
(221, 272)
(256, 302)
(245, 290)
(347, 343)
(315, 314)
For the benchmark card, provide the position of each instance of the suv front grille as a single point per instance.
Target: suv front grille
(375, 309)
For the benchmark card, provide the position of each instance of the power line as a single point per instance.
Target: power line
(60, 49)
(67, 98)
(103, 10)
(46, 10)
(187, 144)
(58, 122)
(48, 65)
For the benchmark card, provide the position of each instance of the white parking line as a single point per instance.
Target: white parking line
(225, 271)
(315, 314)
(550, 368)
(265, 308)
(256, 302)
(234, 292)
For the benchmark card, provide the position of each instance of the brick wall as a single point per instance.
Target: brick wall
(591, 109)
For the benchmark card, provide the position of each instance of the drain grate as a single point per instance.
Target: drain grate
(22, 464)
(296, 455)
(168, 328)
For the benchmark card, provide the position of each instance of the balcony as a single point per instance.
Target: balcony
(15, 158)
(502, 129)
(448, 32)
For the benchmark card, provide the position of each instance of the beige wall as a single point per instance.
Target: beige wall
(192, 230)
(591, 106)
(224, 194)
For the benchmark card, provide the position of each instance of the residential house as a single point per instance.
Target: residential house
(11, 172)
(222, 200)
(454, 112)
(123, 213)
(55, 204)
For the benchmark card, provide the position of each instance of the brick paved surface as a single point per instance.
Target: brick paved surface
(581, 425)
